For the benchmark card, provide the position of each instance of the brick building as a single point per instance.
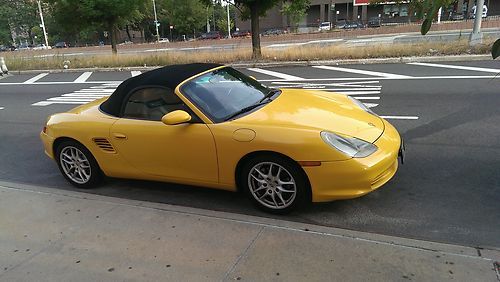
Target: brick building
(357, 10)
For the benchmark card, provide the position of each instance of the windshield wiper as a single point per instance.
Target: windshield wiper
(269, 94)
(246, 109)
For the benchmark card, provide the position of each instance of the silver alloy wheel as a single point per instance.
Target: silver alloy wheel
(75, 164)
(272, 185)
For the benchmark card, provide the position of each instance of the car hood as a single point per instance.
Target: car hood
(318, 110)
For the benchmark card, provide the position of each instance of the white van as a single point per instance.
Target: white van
(325, 26)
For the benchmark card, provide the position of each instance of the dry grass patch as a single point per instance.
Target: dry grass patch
(32, 61)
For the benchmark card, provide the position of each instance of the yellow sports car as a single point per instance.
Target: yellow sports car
(210, 125)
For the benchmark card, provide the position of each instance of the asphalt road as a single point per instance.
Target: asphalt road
(447, 191)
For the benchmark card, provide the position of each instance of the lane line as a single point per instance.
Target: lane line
(359, 92)
(36, 78)
(275, 74)
(71, 99)
(46, 103)
(83, 77)
(282, 81)
(365, 72)
(370, 105)
(1, 108)
(456, 67)
(84, 96)
(400, 117)
(337, 89)
(366, 98)
(135, 73)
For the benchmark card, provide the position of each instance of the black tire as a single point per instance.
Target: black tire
(95, 175)
(297, 175)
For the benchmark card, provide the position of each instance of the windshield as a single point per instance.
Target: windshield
(222, 93)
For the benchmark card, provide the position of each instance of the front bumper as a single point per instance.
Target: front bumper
(48, 144)
(357, 176)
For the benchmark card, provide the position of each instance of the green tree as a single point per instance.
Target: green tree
(253, 10)
(185, 16)
(100, 14)
(20, 16)
(295, 10)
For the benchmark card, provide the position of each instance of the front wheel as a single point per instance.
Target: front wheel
(275, 184)
(78, 165)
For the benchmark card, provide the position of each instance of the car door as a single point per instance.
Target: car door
(177, 152)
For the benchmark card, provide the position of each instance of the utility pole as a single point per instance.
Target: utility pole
(208, 22)
(156, 22)
(228, 22)
(43, 24)
(476, 37)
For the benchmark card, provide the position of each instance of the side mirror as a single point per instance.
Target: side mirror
(176, 117)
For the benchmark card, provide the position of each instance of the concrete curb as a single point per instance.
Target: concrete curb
(394, 60)
(482, 253)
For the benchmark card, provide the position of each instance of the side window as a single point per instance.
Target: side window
(152, 104)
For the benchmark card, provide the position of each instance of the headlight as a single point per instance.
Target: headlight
(361, 105)
(353, 147)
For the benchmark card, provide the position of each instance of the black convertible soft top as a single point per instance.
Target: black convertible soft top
(169, 76)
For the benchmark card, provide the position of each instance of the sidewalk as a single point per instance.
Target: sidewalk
(55, 235)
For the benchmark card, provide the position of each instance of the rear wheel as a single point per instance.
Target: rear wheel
(78, 165)
(275, 184)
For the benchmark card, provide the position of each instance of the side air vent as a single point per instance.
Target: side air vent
(104, 144)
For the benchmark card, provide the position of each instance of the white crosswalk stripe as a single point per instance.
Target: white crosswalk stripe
(275, 74)
(35, 78)
(370, 87)
(82, 96)
(83, 77)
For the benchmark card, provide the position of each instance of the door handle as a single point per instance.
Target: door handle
(120, 136)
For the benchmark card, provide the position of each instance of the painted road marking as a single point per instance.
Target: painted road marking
(281, 81)
(370, 105)
(367, 98)
(81, 96)
(457, 67)
(36, 78)
(275, 74)
(83, 77)
(135, 73)
(365, 72)
(400, 117)
(349, 88)
(1, 108)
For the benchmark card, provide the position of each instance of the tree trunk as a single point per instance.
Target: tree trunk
(128, 33)
(113, 35)
(254, 16)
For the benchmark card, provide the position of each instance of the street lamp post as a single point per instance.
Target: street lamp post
(43, 24)
(156, 22)
(228, 22)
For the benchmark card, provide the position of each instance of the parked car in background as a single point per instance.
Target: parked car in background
(485, 12)
(457, 17)
(353, 25)
(211, 35)
(325, 26)
(242, 33)
(23, 47)
(3, 48)
(374, 22)
(42, 47)
(163, 40)
(61, 44)
(340, 23)
(273, 31)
